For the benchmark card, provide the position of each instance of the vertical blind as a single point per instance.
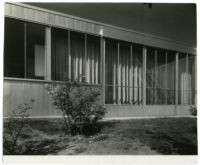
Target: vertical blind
(80, 62)
(123, 73)
(59, 54)
(160, 76)
(170, 77)
(186, 77)
(93, 60)
(150, 76)
(77, 55)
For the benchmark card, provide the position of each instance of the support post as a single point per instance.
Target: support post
(119, 73)
(48, 53)
(186, 87)
(144, 61)
(103, 46)
(166, 71)
(155, 78)
(25, 31)
(69, 56)
(195, 80)
(176, 80)
(85, 61)
(131, 76)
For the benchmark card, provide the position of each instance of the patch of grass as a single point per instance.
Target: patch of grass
(168, 136)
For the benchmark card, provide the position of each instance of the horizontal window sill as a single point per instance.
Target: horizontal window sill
(45, 81)
(148, 105)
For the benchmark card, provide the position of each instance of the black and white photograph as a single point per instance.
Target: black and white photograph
(103, 78)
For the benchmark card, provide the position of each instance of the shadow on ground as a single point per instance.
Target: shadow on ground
(168, 136)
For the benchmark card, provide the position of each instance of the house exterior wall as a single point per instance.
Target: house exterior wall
(17, 90)
(54, 19)
(20, 91)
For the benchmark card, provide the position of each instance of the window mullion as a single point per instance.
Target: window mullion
(25, 25)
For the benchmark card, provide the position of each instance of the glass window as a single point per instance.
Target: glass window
(59, 60)
(123, 73)
(35, 51)
(111, 78)
(136, 70)
(14, 56)
(93, 60)
(150, 76)
(171, 63)
(161, 77)
(77, 55)
(24, 50)
(192, 79)
(182, 79)
(124, 59)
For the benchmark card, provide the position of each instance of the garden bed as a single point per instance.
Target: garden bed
(169, 136)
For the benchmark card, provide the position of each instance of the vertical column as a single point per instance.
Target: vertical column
(140, 84)
(84, 61)
(144, 76)
(176, 80)
(166, 92)
(155, 81)
(76, 64)
(96, 66)
(135, 83)
(131, 77)
(25, 50)
(187, 80)
(80, 61)
(87, 64)
(123, 78)
(195, 80)
(69, 55)
(127, 78)
(103, 46)
(119, 74)
(48, 53)
(92, 66)
(114, 78)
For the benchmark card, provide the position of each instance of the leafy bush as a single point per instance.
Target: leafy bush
(80, 106)
(193, 110)
(13, 129)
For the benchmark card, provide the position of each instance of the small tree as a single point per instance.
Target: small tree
(79, 105)
(13, 129)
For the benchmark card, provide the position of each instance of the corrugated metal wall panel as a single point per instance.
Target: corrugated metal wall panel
(47, 17)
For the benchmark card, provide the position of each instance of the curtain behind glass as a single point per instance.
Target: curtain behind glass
(59, 54)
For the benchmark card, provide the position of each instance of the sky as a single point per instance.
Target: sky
(172, 21)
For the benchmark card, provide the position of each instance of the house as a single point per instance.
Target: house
(140, 74)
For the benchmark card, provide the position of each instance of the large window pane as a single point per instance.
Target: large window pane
(35, 51)
(93, 60)
(137, 74)
(59, 60)
(171, 77)
(161, 77)
(192, 79)
(182, 79)
(77, 55)
(123, 73)
(124, 59)
(150, 76)
(111, 60)
(14, 48)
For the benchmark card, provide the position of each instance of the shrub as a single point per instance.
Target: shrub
(13, 129)
(193, 110)
(79, 106)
